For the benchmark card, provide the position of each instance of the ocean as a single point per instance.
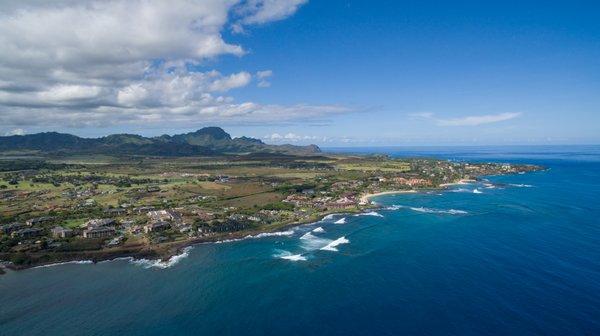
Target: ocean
(515, 255)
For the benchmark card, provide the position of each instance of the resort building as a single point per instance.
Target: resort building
(27, 233)
(99, 232)
(61, 232)
(94, 223)
(156, 226)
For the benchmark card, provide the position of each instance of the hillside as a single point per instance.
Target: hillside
(205, 141)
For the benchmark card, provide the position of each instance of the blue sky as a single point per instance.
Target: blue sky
(357, 73)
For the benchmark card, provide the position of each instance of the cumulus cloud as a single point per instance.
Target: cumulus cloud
(469, 120)
(103, 62)
(263, 78)
(292, 137)
(16, 131)
(263, 11)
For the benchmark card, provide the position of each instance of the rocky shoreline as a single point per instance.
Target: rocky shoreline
(165, 251)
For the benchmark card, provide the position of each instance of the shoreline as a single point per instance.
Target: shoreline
(163, 253)
(459, 182)
(367, 197)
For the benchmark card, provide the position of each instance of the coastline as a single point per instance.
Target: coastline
(459, 182)
(367, 197)
(164, 252)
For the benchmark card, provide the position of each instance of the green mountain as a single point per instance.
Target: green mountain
(205, 141)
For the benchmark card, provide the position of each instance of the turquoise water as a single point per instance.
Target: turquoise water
(521, 258)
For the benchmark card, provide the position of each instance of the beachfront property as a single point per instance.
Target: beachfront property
(162, 215)
(99, 232)
(94, 223)
(27, 233)
(9, 228)
(156, 226)
(61, 232)
(39, 220)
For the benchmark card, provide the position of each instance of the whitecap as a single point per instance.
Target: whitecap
(74, 262)
(372, 213)
(172, 261)
(328, 217)
(333, 245)
(340, 221)
(308, 235)
(477, 191)
(311, 242)
(520, 185)
(272, 234)
(459, 190)
(289, 256)
(318, 230)
(229, 240)
(439, 211)
(457, 212)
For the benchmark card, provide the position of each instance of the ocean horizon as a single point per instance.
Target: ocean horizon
(512, 254)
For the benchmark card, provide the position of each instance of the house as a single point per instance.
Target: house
(116, 212)
(152, 188)
(342, 203)
(61, 232)
(99, 232)
(143, 209)
(39, 220)
(156, 226)
(94, 223)
(205, 216)
(8, 228)
(27, 233)
(163, 215)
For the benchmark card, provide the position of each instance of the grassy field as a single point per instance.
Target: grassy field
(181, 181)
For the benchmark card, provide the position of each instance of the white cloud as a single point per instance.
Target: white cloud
(292, 137)
(103, 62)
(262, 11)
(469, 120)
(16, 131)
(231, 82)
(263, 77)
(63, 92)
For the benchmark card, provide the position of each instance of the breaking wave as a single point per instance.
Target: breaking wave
(477, 191)
(272, 234)
(439, 211)
(340, 221)
(318, 230)
(289, 256)
(333, 245)
(310, 242)
(75, 262)
(372, 213)
(146, 263)
(520, 185)
(428, 210)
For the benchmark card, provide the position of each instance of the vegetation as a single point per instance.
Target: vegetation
(147, 206)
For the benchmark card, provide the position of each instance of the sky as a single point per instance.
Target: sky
(329, 72)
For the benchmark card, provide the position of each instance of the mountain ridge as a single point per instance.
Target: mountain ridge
(205, 141)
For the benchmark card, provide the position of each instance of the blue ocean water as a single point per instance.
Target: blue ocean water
(521, 258)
